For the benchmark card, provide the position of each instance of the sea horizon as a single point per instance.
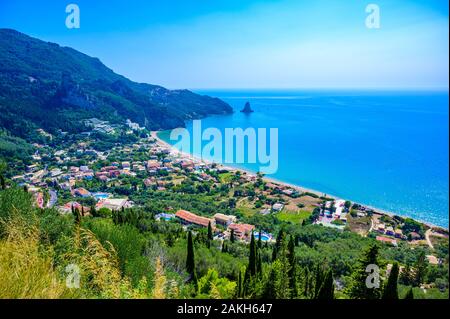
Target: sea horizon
(374, 153)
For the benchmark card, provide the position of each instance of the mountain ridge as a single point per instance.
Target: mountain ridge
(43, 84)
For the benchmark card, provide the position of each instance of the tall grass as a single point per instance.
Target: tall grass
(26, 271)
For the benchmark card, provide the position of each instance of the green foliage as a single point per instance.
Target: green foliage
(55, 87)
(390, 290)
(212, 287)
(357, 287)
(326, 291)
(190, 258)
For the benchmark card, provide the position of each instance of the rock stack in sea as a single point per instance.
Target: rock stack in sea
(247, 108)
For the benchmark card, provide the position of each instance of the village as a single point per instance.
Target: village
(83, 177)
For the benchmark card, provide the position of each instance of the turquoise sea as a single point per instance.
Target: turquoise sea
(389, 150)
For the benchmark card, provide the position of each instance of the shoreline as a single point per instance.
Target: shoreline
(162, 143)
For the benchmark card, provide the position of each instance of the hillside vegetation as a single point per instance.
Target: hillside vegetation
(48, 86)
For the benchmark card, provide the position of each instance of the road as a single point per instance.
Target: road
(427, 237)
(53, 198)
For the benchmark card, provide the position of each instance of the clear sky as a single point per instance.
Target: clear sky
(249, 43)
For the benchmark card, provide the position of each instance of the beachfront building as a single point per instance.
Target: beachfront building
(113, 203)
(188, 218)
(278, 207)
(242, 231)
(224, 220)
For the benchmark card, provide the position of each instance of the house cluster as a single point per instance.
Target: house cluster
(282, 189)
(100, 126)
(334, 214)
(229, 222)
(389, 231)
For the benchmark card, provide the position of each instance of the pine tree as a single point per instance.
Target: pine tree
(390, 290)
(409, 294)
(358, 288)
(326, 291)
(190, 259)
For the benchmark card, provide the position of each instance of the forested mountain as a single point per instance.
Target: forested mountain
(48, 86)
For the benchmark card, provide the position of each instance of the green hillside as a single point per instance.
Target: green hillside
(48, 86)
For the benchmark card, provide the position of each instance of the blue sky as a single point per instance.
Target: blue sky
(252, 44)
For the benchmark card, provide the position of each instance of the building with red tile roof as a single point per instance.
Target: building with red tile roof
(241, 231)
(189, 218)
(387, 240)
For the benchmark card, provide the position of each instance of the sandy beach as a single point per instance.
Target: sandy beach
(196, 159)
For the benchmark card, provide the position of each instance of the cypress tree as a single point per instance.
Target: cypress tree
(306, 281)
(278, 244)
(420, 269)
(292, 268)
(77, 216)
(210, 232)
(252, 257)
(260, 240)
(190, 259)
(326, 291)
(409, 294)
(405, 276)
(93, 211)
(270, 287)
(259, 266)
(390, 290)
(239, 285)
(232, 236)
(2, 182)
(318, 280)
(224, 247)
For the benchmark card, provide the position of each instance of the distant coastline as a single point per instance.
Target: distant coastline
(161, 142)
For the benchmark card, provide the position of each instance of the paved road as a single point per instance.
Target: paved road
(53, 198)
(427, 237)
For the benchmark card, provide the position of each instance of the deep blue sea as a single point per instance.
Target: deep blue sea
(389, 150)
